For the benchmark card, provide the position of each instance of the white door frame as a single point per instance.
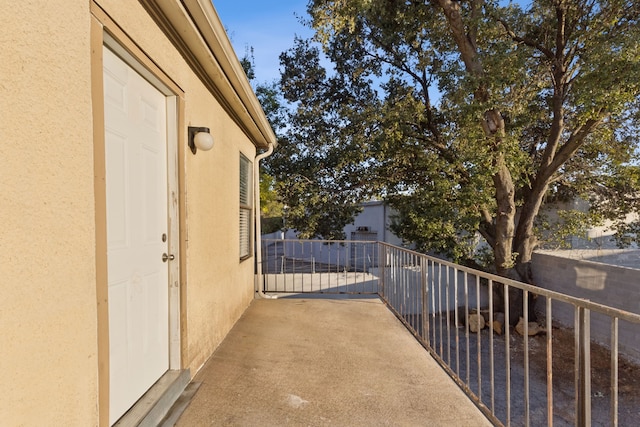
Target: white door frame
(172, 192)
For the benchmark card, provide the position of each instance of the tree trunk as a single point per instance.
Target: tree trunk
(494, 128)
(525, 239)
(504, 219)
(504, 242)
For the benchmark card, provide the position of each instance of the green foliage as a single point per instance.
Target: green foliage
(433, 226)
(248, 64)
(628, 233)
(321, 160)
(272, 224)
(558, 233)
(388, 101)
(270, 204)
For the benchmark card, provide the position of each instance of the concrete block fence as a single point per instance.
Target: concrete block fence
(612, 285)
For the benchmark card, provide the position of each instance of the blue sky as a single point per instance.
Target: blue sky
(269, 26)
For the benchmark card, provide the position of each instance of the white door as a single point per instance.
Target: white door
(137, 224)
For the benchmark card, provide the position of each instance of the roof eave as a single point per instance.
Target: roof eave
(194, 27)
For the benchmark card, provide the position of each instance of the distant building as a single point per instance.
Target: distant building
(598, 237)
(373, 224)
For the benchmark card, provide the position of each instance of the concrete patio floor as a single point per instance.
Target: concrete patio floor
(320, 362)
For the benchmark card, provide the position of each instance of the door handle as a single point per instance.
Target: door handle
(166, 257)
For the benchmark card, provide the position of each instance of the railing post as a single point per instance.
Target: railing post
(614, 372)
(425, 298)
(583, 366)
(401, 270)
(382, 268)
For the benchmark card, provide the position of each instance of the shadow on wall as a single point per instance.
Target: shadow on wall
(590, 278)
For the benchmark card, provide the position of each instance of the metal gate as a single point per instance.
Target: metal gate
(320, 266)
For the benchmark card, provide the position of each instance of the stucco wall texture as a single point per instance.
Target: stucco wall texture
(219, 286)
(48, 314)
(47, 270)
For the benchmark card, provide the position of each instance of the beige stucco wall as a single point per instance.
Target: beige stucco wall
(48, 314)
(219, 286)
(48, 355)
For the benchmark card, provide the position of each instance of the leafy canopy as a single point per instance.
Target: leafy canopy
(469, 117)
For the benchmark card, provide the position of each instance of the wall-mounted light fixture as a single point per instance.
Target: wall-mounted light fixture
(200, 138)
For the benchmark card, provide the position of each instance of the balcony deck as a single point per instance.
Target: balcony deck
(315, 362)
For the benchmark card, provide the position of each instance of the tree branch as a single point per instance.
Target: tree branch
(467, 49)
(486, 227)
(529, 42)
(574, 142)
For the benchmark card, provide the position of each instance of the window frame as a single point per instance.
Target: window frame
(245, 217)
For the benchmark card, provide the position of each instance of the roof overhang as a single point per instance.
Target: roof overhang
(195, 29)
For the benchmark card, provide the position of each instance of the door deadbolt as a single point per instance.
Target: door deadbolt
(166, 257)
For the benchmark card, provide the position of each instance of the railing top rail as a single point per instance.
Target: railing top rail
(581, 302)
(343, 242)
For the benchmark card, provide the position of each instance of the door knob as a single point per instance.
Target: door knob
(166, 257)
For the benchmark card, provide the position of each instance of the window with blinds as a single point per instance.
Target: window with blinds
(245, 207)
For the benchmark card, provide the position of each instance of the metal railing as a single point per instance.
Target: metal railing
(513, 380)
(320, 266)
(435, 299)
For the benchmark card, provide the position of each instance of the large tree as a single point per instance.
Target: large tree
(324, 147)
(468, 116)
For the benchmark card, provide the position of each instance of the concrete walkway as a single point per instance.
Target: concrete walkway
(325, 362)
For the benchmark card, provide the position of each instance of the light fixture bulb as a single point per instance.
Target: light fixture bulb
(199, 138)
(203, 141)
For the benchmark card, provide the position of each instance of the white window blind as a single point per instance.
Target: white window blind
(245, 207)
